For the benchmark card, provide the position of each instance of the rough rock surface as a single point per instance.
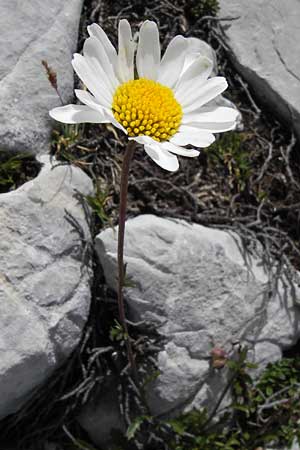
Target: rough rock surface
(202, 290)
(44, 283)
(295, 445)
(261, 35)
(32, 31)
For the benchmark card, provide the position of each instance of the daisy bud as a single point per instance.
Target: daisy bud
(219, 358)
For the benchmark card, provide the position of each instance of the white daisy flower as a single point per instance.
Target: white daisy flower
(163, 108)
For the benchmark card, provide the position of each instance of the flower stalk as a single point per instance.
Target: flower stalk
(121, 237)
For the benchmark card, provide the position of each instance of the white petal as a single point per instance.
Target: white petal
(172, 62)
(87, 99)
(162, 157)
(192, 80)
(216, 120)
(195, 48)
(93, 82)
(148, 51)
(143, 140)
(126, 52)
(115, 122)
(77, 114)
(210, 89)
(194, 137)
(96, 31)
(157, 152)
(220, 114)
(213, 127)
(97, 57)
(169, 146)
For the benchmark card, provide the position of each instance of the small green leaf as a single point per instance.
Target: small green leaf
(177, 426)
(269, 391)
(135, 426)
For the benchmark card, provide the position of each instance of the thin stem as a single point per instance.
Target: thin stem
(215, 409)
(121, 236)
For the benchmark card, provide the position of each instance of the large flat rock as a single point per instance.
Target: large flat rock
(203, 290)
(32, 31)
(263, 37)
(44, 280)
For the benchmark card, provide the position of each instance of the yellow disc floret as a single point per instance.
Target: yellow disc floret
(146, 107)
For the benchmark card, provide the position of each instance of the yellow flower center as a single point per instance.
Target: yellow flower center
(145, 107)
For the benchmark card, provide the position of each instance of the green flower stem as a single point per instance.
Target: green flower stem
(121, 236)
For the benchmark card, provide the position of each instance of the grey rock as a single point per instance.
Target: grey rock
(261, 36)
(295, 446)
(33, 31)
(44, 283)
(201, 290)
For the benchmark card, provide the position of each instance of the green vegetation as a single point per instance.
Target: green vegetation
(64, 139)
(16, 170)
(116, 332)
(98, 203)
(197, 9)
(261, 412)
(229, 153)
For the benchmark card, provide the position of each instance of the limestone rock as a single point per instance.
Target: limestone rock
(261, 36)
(201, 289)
(33, 31)
(295, 446)
(44, 280)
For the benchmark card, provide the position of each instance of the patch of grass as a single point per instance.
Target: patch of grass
(63, 140)
(16, 170)
(229, 153)
(99, 204)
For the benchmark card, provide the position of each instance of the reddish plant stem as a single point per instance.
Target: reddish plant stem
(121, 237)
